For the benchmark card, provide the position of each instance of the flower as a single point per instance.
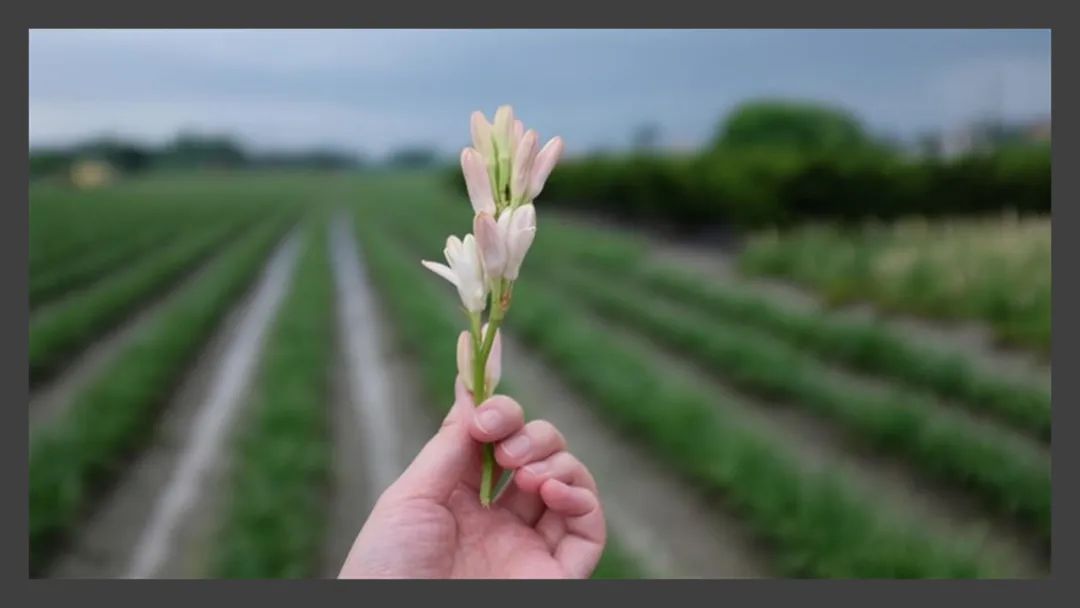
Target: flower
(516, 171)
(517, 227)
(481, 135)
(477, 181)
(524, 154)
(493, 368)
(465, 271)
(492, 245)
(542, 166)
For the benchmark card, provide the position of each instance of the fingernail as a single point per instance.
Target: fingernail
(515, 447)
(488, 420)
(536, 468)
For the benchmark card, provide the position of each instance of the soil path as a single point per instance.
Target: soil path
(379, 417)
(154, 521)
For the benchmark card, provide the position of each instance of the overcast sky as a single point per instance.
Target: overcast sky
(373, 90)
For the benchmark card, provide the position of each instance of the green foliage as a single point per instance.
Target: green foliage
(759, 186)
(996, 270)
(863, 346)
(797, 125)
(905, 422)
(112, 417)
(60, 331)
(274, 521)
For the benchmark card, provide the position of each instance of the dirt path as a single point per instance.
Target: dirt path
(971, 339)
(153, 522)
(51, 399)
(886, 481)
(379, 419)
(668, 526)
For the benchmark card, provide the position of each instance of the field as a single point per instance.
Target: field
(227, 369)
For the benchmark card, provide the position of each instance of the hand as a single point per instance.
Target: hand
(548, 523)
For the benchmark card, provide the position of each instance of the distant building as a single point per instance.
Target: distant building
(91, 173)
(983, 136)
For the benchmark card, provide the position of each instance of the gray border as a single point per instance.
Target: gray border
(677, 13)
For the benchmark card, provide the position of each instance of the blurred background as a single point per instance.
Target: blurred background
(789, 297)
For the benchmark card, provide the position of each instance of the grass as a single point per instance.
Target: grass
(273, 524)
(72, 458)
(995, 270)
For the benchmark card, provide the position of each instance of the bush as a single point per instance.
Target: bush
(769, 185)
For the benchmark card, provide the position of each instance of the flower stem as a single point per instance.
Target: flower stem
(482, 343)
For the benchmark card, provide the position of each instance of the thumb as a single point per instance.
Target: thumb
(445, 458)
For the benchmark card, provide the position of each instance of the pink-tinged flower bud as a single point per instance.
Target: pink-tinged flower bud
(477, 181)
(502, 132)
(503, 128)
(516, 134)
(523, 161)
(493, 369)
(464, 360)
(518, 227)
(491, 244)
(481, 135)
(542, 166)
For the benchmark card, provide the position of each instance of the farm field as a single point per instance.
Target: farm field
(996, 270)
(230, 368)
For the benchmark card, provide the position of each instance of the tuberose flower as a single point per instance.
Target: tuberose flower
(477, 181)
(542, 165)
(465, 271)
(516, 170)
(493, 369)
(524, 154)
(492, 245)
(517, 228)
(481, 135)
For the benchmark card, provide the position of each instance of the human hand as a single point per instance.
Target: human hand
(548, 523)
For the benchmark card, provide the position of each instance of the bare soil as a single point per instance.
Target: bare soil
(379, 417)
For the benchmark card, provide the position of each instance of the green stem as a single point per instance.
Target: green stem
(481, 351)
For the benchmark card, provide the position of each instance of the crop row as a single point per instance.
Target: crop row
(1011, 479)
(866, 347)
(112, 417)
(50, 284)
(59, 331)
(273, 524)
(816, 525)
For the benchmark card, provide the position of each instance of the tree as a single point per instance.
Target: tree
(798, 125)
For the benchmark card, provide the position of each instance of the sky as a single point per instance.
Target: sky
(373, 91)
